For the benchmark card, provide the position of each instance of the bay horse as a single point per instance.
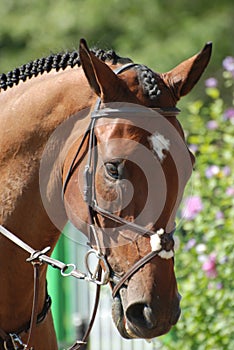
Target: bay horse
(35, 100)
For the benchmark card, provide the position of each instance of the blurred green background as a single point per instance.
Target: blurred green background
(156, 33)
(159, 34)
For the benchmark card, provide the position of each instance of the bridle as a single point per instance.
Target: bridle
(103, 273)
(166, 239)
(89, 194)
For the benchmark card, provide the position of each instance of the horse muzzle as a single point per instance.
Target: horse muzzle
(139, 319)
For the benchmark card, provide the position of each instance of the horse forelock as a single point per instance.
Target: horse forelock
(59, 61)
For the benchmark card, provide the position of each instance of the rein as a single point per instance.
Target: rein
(13, 340)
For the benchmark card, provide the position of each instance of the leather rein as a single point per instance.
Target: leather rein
(102, 273)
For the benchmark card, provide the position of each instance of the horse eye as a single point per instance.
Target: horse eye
(112, 170)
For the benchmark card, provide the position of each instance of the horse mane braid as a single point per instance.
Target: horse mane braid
(148, 80)
(54, 61)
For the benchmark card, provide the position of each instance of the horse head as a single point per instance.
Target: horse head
(138, 166)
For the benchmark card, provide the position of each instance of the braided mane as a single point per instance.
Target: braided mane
(54, 61)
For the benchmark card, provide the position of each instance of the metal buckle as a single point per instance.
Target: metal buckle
(35, 256)
(16, 342)
(93, 275)
(68, 270)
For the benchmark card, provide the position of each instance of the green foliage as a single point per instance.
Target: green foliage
(205, 258)
(159, 34)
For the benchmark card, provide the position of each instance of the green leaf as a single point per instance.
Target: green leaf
(213, 93)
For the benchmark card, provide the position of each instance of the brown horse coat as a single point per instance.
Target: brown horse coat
(30, 112)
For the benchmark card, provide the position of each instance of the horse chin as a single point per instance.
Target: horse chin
(120, 320)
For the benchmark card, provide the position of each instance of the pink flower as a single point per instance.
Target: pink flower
(226, 170)
(228, 64)
(229, 114)
(230, 191)
(190, 244)
(219, 215)
(209, 266)
(212, 125)
(192, 206)
(212, 171)
(211, 82)
(219, 285)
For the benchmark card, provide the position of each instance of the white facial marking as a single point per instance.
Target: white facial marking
(155, 242)
(159, 143)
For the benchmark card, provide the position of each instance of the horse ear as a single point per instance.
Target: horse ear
(101, 78)
(183, 77)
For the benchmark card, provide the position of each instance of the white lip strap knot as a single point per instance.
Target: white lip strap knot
(157, 241)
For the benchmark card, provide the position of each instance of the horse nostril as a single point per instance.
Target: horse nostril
(141, 315)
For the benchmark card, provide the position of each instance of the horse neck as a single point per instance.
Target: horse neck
(30, 112)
